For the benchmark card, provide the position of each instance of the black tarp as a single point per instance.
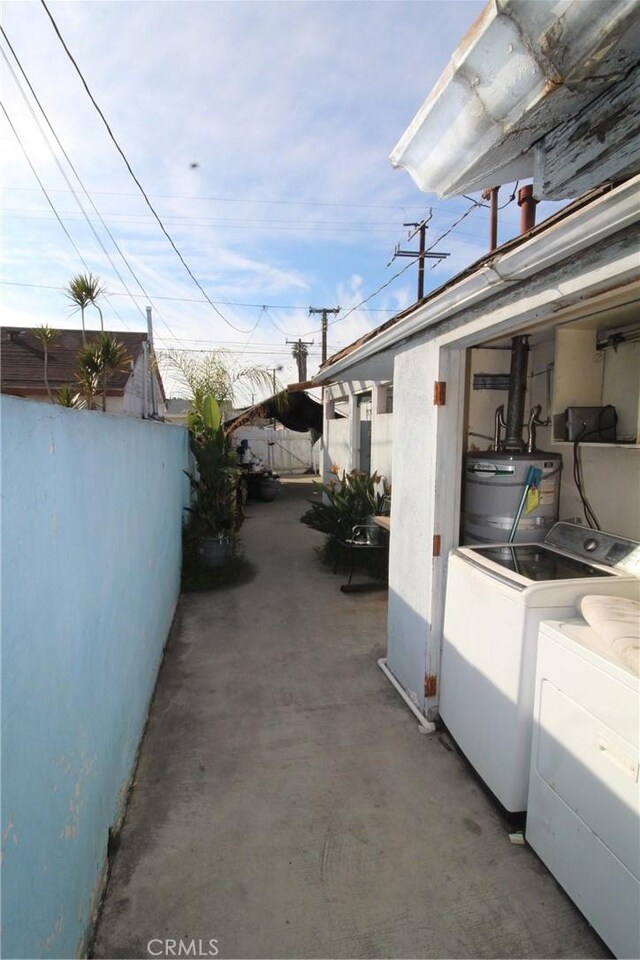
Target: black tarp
(296, 411)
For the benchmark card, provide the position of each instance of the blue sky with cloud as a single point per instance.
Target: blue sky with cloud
(289, 110)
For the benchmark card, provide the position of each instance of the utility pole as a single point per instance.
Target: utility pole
(325, 311)
(273, 371)
(300, 355)
(421, 255)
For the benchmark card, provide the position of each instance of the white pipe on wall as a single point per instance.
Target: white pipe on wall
(426, 725)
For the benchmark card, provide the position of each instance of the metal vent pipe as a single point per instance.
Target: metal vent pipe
(517, 389)
(527, 203)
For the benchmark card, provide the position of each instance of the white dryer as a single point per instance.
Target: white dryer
(496, 598)
(583, 816)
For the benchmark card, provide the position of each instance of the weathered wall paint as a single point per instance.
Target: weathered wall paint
(91, 552)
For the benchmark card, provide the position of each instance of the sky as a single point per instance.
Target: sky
(261, 133)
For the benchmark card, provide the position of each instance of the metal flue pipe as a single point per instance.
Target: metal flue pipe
(517, 389)
(527, 203)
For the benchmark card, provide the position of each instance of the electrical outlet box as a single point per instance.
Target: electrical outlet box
(590, 424)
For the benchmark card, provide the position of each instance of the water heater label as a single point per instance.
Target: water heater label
(486, 469)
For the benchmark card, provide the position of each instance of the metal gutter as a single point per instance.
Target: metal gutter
(524, 69)
(563, 239)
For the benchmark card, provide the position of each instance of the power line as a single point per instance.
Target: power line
(227, 303)
(79, 179)
(271, 226)
(176, 196)
(62, 171)
(375, 293)
(252, 200)
(135, 179)
(43, 188)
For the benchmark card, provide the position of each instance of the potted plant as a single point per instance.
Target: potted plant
(216, 512)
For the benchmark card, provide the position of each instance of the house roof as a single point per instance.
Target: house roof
(23, 358)
(546, 90)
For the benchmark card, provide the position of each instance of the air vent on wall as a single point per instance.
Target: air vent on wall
(491, 381)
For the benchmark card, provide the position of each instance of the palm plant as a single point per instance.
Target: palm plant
(96, 361)
(46, 335)
(67, 396)
(214, 374)
(112, 357)
(85, 289)
(88, 376)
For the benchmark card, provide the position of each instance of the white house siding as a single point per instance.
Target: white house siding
(429, 443)
(133, 402)
(341, 442)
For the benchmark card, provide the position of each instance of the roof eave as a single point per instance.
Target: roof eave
(519, 73)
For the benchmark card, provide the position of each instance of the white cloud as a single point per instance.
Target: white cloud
(274, 102)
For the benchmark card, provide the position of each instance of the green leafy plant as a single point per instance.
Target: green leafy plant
(67, 396)
(214, 374)
(346, 501)
(88, 375)
(46, 335)
(217, 507)
(96, 362)
(112, 358)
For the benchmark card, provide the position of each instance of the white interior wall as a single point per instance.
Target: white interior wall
(483, 403)
(580, 376)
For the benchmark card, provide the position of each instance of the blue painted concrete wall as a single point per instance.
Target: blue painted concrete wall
(91, 553)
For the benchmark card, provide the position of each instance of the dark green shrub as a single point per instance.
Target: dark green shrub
(346, 501)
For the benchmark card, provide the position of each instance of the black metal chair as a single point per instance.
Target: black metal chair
(363, 536)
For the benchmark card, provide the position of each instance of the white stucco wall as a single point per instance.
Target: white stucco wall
(133, 400)
(341, 436)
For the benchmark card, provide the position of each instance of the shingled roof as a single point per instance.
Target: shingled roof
(22, 359)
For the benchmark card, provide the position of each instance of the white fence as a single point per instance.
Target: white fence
(284, 451)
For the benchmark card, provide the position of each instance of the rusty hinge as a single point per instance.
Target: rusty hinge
(439, 393)
(436, 544)
(430, 684)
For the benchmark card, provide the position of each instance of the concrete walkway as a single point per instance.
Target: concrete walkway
(286, 805)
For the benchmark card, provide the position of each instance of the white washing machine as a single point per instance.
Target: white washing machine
(583, 818)
(496, 598)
